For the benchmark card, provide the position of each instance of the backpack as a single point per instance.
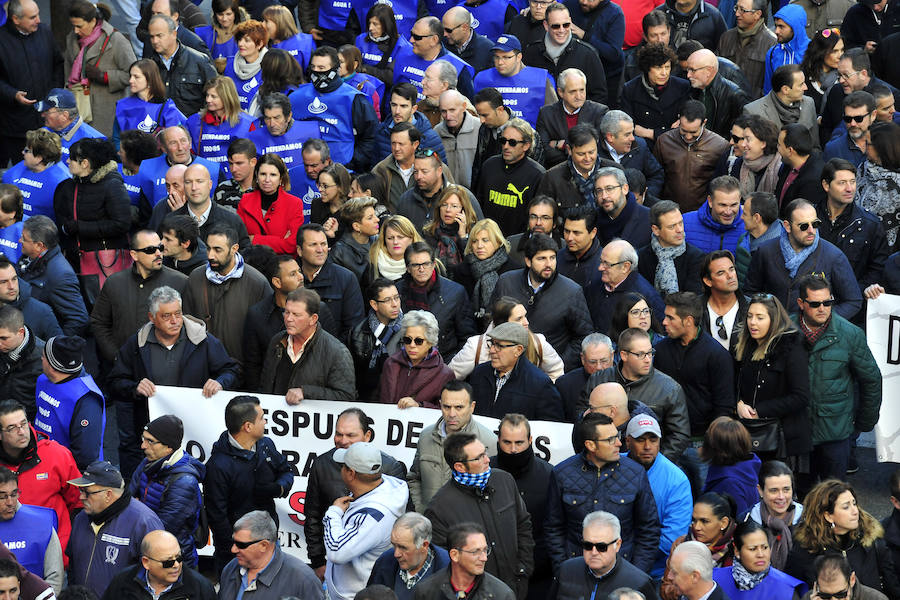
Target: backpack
(200, 534)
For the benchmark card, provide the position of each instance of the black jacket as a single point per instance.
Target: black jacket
(31, 63)
(884, 61)
(19, 376)
(351, 255)
(706, 24)
(570, 387)
(340, 291)
(807, 185)
(361, 344)
(324, 487)
(891, 526)
(551, 125)
(131, 584)
(558, 310)
(189, 15)
(687, 266)
(324, 371)
(185, 78)
(860, 236)
(448, 302)
(576, 581)
(217, 215)
(559, 183)
(527, 391)
(185, 36)
(501, 511)
(478, 53)
(727, 101)
(577, 54)
(526, 29)
(656, 113)
(584, 269)
(487, 587)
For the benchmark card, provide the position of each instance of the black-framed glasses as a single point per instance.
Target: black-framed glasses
(609, 440)
(854, 118)
(736, 139)
(642, 355)
(600, 546)
(814, 224)
(818, 303)
(13, 494)
(411, 341)
(150, 249)
(23, 426)
(512, 143)
(609, 265)
(418, 37)
(722, 332)
(493, 344)
(425, 153)
(835, 596)
(244, 545)
(739, 10)
(87, 493)
(480, 457)
(639, 312)
(560, 25)
(169, 562)
(390, 300)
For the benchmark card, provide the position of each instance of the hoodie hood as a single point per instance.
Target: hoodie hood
(795, 16)
(704, 214)
(392, 495)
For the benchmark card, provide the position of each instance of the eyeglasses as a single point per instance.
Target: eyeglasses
(390, 300)
(513, 143)
(598, 361)
(493, 344)
(87, 493)
(420, 266)
(169, 562)
(854, 119)
(409, 341)
(738, 10)
(609, 265)
(419, 38)
(836, 596)
(611, 439)
(23, 426)
(639, 312)
(814, 224)
(642, 355)
(171, 316)
(480, 457)
(13, 494)
(486, 551)
(818, 303)
(244, 545)
(847, 75)
(561, 25)
(425, 153)
(720, 323)
(600, 546)
(539, 2)
(606, 190)
(534, 217)
(695, 69)
(150, 249)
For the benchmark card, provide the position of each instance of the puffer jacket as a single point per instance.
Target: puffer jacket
(423, 382)
(527, 391)
(703, 231)
(792, 52)
(54, 282)
(429, 471)
(578, 487)
(658, 391)
(184, 79)
(171, 489)
(749, 57)
(324, 486)
(838, 362)
(688, 167)
(324, 371)
(448, 302)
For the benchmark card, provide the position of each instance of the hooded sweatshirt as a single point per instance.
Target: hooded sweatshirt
(790, 53)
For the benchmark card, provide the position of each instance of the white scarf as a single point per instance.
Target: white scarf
(246, 70)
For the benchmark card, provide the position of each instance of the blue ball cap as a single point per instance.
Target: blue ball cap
(57, 98)
(507, 43)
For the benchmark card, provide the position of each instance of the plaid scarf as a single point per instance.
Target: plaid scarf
(812, 335)
(383, 334)
(478, 480)
(417, 295)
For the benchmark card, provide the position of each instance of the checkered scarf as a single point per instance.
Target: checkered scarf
(478, 480)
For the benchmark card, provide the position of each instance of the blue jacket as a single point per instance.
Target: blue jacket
(386, 568)
(430, 139)
(701, 230)
(339, 290)
(577, 488)
(675, 507)
(767, 273)
(54, 282)
(843, 147)
(527, 391)
(776, 584)
(606, 34)
(792, 52)
(738, 480)
(38, 316)
(171, 489)
(640, 158)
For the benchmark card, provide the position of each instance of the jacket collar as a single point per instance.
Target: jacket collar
(194, 330)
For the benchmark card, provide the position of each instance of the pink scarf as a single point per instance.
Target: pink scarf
(83, 43)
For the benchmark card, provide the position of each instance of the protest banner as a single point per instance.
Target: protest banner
(305, 431)
(883, 333)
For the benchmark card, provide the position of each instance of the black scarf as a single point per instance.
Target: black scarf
(515, 464)
(120, 504)
(486, 275)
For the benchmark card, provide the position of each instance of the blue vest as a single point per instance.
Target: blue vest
(288, 146)
(208, 35)
(211, 142)
(523, 93)
(37, 188)
(152, 176)
(300, 46)
(134, 113)
(132, 185)
(246, 88)
(489, 18)
(10, 244)
(437, 8)
(774, 585)
(372, 54)
(333, 14)
(84, 131)
(56, 405)
(28, 534)
(405, 13)
(334, 114)
(410, 67)
(304, 188)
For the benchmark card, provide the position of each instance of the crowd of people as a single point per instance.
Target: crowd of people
(659, 224)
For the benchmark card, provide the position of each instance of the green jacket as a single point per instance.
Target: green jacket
(841, 355)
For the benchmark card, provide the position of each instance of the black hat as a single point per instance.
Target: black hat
(168, 429)
(63, 352)
(100, 473)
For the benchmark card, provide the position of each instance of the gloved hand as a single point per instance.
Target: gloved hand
(94, 74)
(70, 226)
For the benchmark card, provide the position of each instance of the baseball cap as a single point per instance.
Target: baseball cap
(507, 43)
(641, 424)
(101, 473)
(362, 457)
(57, 98)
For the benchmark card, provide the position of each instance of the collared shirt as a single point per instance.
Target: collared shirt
(612, 152)
(571, 112)
(612, 287)
(412, 580)
(150, 589)
(709, 593)
(247, 585)
(501, 381)
(201, 218)
(295, 356)
(235, 443)
(465, 44)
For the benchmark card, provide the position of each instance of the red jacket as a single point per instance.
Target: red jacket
(423, 382)
(278, 227)
(44, 471)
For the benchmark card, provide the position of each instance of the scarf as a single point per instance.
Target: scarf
(390, 268)
(781, 545)
(722, 552)
(378, 40)
(877, 191)
(746, 36)
(118, 505)
(218, 279)
(792, 259)
(75, 76)
(744, 580)
(447, 243)
(653, 90)
(788, 113)
(323, 80)
(666, 275)
(16, 353)
(417, 295)
(515, 464)
(383, 333)
(585, 185)
(485, 273)
(553, 51)
(769, 165)
(245, 70)
(812, 335)
(478, 480)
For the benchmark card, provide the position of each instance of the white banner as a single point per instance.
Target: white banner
(303, 432)
(883, 333)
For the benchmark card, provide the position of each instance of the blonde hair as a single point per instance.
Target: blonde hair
(224, 86)
(494, 234)
(779, 324)
(463, 195)
(398, 223)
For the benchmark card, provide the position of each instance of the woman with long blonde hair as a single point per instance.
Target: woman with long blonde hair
(386, 254)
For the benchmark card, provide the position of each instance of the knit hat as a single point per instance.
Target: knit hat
(63, 352)
(510, 332)
(168, 429)
(362, 457)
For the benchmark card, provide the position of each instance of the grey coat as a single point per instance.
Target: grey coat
(765, 107)
(284, 576)
(460, 148)
(324, 371)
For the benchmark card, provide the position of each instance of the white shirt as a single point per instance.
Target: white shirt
(727, 320)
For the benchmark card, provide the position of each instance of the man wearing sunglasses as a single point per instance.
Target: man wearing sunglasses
(411, 61)
(107, 534)
(854, 75)
(161, 570)
(835, 580)
(859, 114)
(779, 264)
(839, 363)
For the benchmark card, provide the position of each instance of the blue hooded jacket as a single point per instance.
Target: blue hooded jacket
(792, 52)
(701, 230)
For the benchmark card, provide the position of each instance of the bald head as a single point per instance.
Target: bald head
(610, 399)
(197, 185)
(175, 181)
(702, 67)
(456, 16)
(25, 15)
(159, 542)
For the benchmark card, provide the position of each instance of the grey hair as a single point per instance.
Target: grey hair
(616, 172)
(170, 23)
(16, 8)
(697, 557)
(603, 518)
(626, 593)
(317, 145)
(761, 5)
(42, 229)
(418, 525)
(562, 80)
(423, 319)
(523, 127)
(162, 295)
(447, 73)
(610, 121)
(628, 253)
(596, 339)
(260, 525)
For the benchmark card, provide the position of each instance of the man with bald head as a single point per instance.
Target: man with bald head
(161, 570)
(461, 38)
(610, 399)
(458, 131)
(425, 47)
(723, 99)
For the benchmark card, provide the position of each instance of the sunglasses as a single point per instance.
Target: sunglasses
(244, 545)
(736, 139)
(150, 249)
(169, 562)
(560, 26)
(600, 546)
(814, 224)
(408, 341)
(720, 323)
(513, 143)
(761, 297)
(425, 153)
(418, 37)
(817, 304)
(835, 596)
(857, 119)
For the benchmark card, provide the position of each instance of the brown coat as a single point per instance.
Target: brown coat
(688, 168)
(750, 57)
